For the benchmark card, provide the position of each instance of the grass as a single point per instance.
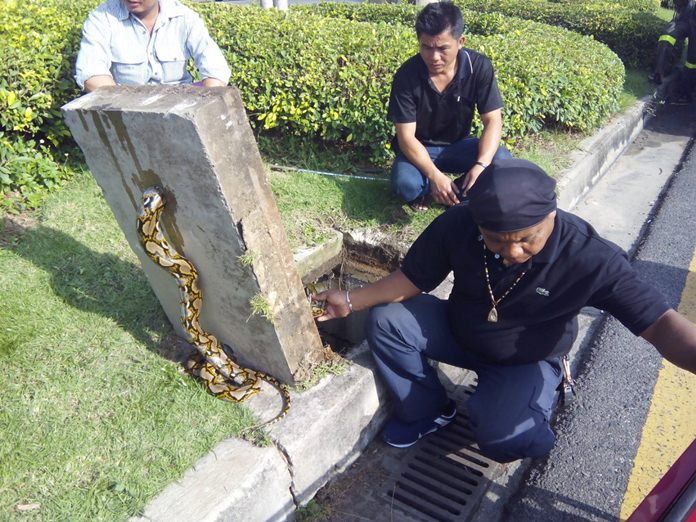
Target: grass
(95, 419)
(95, 422)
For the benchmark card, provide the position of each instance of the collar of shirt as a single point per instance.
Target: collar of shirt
(549, 253)
(464, 67)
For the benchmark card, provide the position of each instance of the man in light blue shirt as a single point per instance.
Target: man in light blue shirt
(136, 42)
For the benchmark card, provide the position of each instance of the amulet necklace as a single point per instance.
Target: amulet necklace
(493, 314)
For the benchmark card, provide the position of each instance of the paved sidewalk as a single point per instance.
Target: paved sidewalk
(331, 424)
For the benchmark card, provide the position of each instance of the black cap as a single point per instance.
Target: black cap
(512, 194)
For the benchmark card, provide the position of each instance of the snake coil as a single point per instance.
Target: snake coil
(223, 377)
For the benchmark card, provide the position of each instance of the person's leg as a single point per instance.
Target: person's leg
(401, 337)
(461, 155)
(511, 407)
(407, 181)
(674, 31)
(690, 64)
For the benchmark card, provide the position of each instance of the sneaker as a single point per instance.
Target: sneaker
(400, 434)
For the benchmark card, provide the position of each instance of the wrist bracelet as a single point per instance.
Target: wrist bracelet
(350, 305)
(481, 163)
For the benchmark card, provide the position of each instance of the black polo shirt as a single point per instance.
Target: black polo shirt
(538, 318)
(443, 118)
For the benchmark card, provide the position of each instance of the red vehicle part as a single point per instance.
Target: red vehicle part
(673, 499)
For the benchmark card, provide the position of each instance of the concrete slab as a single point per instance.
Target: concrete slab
(197, 145)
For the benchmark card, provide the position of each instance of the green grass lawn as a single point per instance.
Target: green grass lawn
(95, 419)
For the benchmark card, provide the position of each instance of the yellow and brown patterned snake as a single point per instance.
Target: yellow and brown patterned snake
(223, 377)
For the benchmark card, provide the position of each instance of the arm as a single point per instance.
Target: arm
(441, 186)
(393, 288)
(488, 144)
(206, 54)
(100, 80)
(213, 82)
(674, 336)
(93, 65)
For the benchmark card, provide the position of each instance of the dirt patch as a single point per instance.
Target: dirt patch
(14, 226)
(176, 349)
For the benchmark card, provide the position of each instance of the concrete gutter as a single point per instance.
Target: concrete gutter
(329, 425)
(598, 152)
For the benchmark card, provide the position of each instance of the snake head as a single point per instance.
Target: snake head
(152, 199)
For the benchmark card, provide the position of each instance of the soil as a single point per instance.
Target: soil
(14, 226)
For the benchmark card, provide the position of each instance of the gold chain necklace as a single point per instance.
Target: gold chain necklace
(493, 314)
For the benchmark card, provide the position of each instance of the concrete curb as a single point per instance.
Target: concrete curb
(330, 424)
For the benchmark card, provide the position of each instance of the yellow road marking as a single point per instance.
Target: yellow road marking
(671, 422)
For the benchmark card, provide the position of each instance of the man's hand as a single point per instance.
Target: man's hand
(100, 80)
(336, 304)
(471, 177)
(394, 288)
(213, 82)
(443, 189)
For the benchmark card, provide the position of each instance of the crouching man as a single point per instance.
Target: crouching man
(523, 269)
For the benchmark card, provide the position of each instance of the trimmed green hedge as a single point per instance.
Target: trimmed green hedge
(303, 73)
(631, 30)
(38, 44)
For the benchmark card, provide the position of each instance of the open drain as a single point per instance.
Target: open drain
(443, 476)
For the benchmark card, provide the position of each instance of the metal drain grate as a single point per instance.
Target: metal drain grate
(443, 476)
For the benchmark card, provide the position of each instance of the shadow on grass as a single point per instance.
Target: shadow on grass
(95, 282)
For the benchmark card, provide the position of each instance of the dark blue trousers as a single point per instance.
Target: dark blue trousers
(409, 184)
(511, 406)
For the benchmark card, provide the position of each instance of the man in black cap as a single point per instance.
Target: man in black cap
(523, 269)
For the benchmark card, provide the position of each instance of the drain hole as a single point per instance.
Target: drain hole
(421, 495)
(456, 439)
(462, 453)
(463, 431)
(440, 477)
(451, 469)
(435, 488)
(457, 448)
(450, 458)
(409, 501)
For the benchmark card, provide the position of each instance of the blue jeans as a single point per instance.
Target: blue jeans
(511, 407)
(409, 184)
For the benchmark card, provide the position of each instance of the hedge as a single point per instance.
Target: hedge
(630, 30)
(38, 44)
(303, 73)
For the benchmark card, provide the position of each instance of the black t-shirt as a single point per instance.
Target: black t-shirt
(443, 118)
(538, 318)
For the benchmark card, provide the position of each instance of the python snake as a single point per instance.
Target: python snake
(223, 377)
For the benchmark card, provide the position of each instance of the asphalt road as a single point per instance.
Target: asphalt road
(587, 473)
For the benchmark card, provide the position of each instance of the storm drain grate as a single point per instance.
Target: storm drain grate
(443, 476)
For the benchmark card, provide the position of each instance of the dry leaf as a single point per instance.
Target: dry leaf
(27, 507)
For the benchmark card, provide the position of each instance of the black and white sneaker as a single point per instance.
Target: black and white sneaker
(400, 434)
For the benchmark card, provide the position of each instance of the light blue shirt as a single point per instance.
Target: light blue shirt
(116, 43)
